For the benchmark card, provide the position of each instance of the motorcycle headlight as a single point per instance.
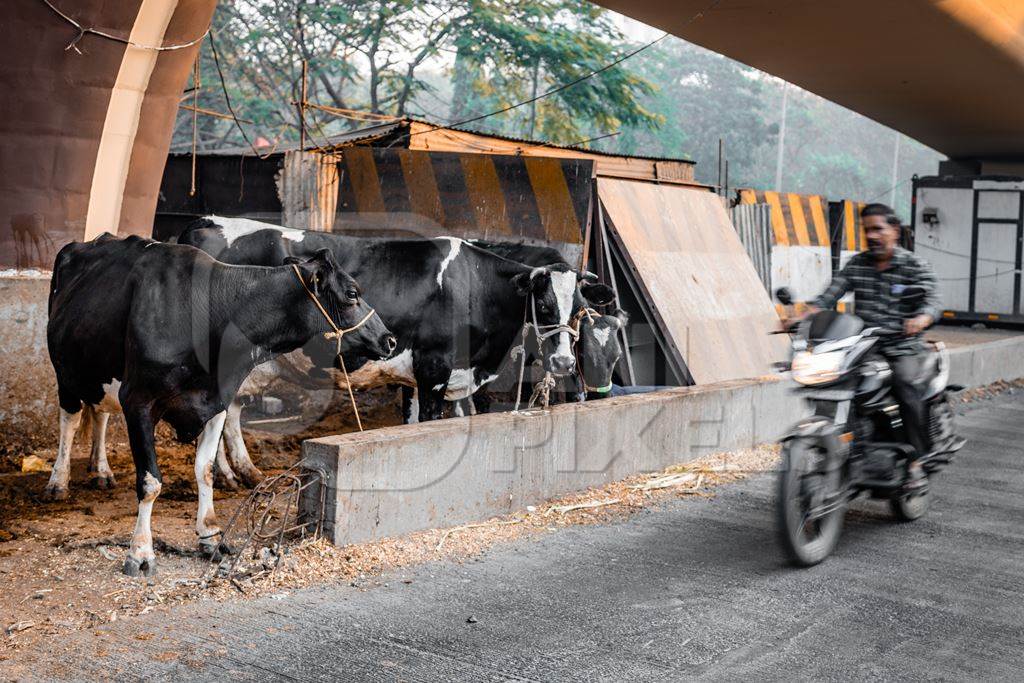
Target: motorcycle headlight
(817, 368)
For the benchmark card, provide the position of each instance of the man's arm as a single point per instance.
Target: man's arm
(840, 285)
(928, 311)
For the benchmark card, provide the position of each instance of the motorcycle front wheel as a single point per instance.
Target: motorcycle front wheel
(810, 506)
(909, 508)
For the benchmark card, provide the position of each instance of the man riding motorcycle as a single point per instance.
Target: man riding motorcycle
(877, 277)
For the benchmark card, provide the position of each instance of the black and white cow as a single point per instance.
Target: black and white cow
(598, 348)
(456, 309)
(173, 333)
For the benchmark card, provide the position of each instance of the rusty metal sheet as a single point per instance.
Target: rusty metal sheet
(404, 193)
(711, 305)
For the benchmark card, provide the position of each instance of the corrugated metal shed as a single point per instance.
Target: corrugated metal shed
(753, 224)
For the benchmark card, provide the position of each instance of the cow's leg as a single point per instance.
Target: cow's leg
(410, 405)
(224, 476)
(432, 376)
(206, 520)
(57, 487)
(481, 402)
(100, 474)
(244, 469)
(148, 482)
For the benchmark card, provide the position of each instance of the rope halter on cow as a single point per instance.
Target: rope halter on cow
(545, 331)
(337, 334)
(543, 388)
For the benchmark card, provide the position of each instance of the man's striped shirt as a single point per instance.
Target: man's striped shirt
(877, 294)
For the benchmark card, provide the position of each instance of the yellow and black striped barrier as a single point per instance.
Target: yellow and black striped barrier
(798, 220)
(471, 195)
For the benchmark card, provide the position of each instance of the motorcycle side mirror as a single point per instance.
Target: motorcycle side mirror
(784, 295)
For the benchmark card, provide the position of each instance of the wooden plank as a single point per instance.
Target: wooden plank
(697, 276)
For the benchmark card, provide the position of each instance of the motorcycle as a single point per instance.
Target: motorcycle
(854, 443)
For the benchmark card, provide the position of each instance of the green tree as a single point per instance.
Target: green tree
(704, 97)
(373, 56)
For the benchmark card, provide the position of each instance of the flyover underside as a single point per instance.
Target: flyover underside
(945, 72)
(86, 120)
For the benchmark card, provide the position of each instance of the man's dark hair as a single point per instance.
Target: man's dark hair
(881, 210)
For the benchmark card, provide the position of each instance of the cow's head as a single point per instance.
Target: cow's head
(342, 299)
(598, 348)
(554, 293)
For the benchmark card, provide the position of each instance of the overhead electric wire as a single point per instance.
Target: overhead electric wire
(227, 100)
(82, 31)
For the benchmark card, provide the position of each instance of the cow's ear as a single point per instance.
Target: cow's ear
(598, 294)
(534, 281)
(522, 283)
(621, 316)
(291, 260)
(325, 257)
(319, 268)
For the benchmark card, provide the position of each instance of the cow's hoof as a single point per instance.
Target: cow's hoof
(214, 548)
(224, 482)
(54, 493)
(102, 482)
(251, 477)
(134, 567)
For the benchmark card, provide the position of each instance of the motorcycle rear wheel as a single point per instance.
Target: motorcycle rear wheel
(805, 542)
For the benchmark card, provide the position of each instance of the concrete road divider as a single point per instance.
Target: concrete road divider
(395, 480)
(399, 479)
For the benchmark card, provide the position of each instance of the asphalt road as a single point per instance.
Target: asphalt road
(692, 590)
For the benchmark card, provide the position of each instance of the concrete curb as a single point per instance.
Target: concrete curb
(396, 480)
(981, 364)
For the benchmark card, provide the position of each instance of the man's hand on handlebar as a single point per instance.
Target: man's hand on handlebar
(917, 324)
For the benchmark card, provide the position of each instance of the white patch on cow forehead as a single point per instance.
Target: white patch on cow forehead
(601, 335)
(455, 244)
(564, 287)
(233, 228)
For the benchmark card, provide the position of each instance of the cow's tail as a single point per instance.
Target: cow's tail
(189, 234)
(85, 429)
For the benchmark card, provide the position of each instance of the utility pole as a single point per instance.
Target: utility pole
(895, 170)
(782, 138)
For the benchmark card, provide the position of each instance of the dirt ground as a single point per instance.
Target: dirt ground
(60, 561)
